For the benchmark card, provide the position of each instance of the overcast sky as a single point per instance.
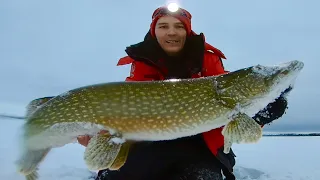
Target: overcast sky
(49, 47)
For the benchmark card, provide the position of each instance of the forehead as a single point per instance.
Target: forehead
(168, 19)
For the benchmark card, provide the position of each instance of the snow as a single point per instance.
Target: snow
(280, 158)
(65, 163)
(117, 140)
(272, 158)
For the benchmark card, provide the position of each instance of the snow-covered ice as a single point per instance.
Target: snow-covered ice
(273, 158)
(279, 158)
(65, 163)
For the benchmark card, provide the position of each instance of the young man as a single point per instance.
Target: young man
(172, 50)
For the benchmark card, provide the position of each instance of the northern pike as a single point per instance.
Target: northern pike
(150, 111)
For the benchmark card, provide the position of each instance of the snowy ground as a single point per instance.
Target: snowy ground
(273, 158)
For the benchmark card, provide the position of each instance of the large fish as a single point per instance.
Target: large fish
(150, 111)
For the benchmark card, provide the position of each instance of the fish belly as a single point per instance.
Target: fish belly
(174, 132)
(61, 134)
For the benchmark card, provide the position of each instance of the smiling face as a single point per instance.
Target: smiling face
(171, 34)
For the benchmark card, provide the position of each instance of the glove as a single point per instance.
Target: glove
(228, 162)
(274, 110)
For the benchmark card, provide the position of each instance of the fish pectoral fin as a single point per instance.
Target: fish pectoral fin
(242, 129)
(101, 151)
(121, 157)
(29, 162)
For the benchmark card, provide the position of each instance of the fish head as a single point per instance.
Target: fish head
(253, 88)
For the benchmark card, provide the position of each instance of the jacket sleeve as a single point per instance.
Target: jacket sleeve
(142, 72)
(212, 65)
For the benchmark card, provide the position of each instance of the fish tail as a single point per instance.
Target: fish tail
(29, 161)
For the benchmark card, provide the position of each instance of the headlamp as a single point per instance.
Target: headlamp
(173, 7)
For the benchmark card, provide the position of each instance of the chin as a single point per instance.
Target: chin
(173, 50)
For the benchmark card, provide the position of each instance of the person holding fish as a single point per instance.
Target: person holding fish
(172, 50)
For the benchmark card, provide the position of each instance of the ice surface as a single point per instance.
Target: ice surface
(279, 158)
(17, 109)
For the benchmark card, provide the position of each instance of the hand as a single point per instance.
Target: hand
(84, 140)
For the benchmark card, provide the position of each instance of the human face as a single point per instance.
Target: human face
(171, 34)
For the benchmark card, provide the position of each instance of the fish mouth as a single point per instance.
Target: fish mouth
(296, 65)
(292, 66)
(289, 71)
(279, 69)
(285, 74)
(280, 78)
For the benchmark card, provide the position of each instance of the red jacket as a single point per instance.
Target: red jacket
(212, 65)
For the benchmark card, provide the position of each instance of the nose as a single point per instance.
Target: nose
(171, 31)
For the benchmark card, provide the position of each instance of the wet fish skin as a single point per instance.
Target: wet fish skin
(131, 107)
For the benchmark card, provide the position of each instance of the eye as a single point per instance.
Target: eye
(180, 26)
(164, 26)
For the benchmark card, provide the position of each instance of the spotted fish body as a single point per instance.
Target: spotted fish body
(138, 110)
(153, 111)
